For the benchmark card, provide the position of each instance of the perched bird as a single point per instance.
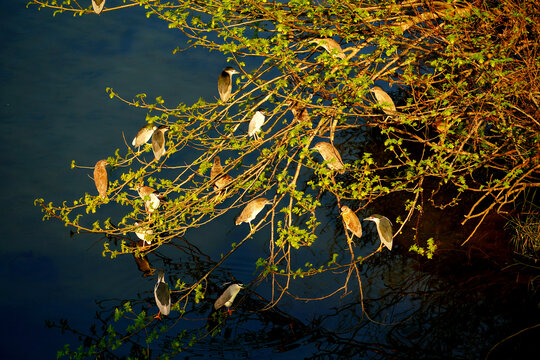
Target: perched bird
(331, 46)
(251, 210)
(144, 233)
(300, 114)
(162, 294)
(227, 297)
(150, 196)
(100, 178)
(384, 100)
(158, 141)
(143, 135)
(330, 155)
(98, 6)
(225, 83)
(351, 221)
(216, 171)
(257, 121)
(384, 229)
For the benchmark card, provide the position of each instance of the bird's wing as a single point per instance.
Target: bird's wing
(163, 295)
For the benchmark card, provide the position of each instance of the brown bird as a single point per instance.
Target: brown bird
(225, 83)
(251, 210)
(143, 135)
(301, 114)
(351, 221)
(216, 171)
(330, 155)
(158, 141)
(150, 196)
(384, 100)
(331, 46)
(143, 265)
(98, 6)
(100, 178)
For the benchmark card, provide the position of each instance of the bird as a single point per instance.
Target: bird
(330, 155)
(150, 196)
(158, 141)
(100, 178)
(251, 210)
(384, 229)
(227, 297)
(143, 264)
(384, 100)
(98, 6)
(331, 46)
(162, 294)
(225, 83)
(144, 233)
(216, 171)
(351, 221)
(301, 114)
(257, 121)
(143, 135)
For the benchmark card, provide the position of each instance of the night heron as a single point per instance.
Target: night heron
(257, 121)
(144, 233)
(100, 178)
(143, 135)
(331, 156)
(331, 46)
(351, 221)
(384, 100)
(384, 229)
(162, 294)
(216, 171)
(98, 5)
(225, 83)
(158, 141)
(150, 196)
(251, 210)
(143, 264)
(300, 114)
(227, 297)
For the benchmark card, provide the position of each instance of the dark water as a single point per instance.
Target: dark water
(54, 109)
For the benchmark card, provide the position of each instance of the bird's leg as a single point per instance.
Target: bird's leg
(349, 240)
(158, 316)
(380, 248)
(250, 227)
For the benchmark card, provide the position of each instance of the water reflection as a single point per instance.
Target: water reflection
(412, 309)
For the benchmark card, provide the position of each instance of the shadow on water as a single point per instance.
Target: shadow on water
(465, 305)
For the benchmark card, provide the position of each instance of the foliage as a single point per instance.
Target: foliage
(464, 77)
(525, 227)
